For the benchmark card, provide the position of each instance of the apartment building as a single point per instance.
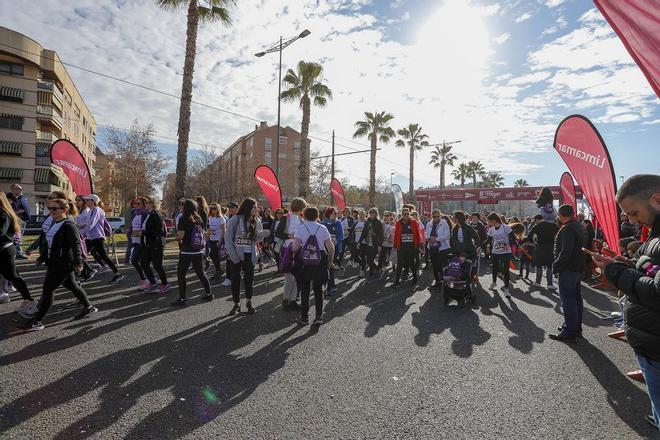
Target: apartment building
(39, 103)
(233, 171)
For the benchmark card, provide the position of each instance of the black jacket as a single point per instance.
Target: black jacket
(470, 241)
(65, 252)
(544, 233)
(570, 240)
(373, 227)
(642, 296)
(6, 229)
(152, 235)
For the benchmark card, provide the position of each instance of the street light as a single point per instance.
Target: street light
(278, 47)
(392, 199)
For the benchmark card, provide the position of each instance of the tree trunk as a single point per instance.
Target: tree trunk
(186, 98)
(463, 200)
(372, 171)
(442, 174)
(411, 178)
(303, 165)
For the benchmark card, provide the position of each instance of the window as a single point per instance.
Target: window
(67, 97)
(76, 110)
(269, 144)
(84, 122)
(12, 122)
(282, 155)
(284, 140)
(250, 142)
(11, 68)
(42, 150)
(296, 146)
(268, 158)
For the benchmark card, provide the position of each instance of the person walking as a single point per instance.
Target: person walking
(244, 231)
(96, 230)
(154, 232)
(464, 239)
(388, 242)
(406, 242)
(217, 226)
(10, 224)
(190, 235)
(135, 237)
(370, 242)
(62, 254)
(129, 211)
(232, 208)
(500, 235)
(569, 265)
(285, 232)
(543, 234)
(347, 225)
(437, 237)
(356, 249)
(21, 207)
(639, 280)
(315, 250)
(336, 231)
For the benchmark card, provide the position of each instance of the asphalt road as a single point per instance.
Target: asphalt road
(387, 364)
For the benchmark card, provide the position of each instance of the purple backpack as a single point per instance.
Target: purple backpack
(286, 259)
(310, 254)
(455, 269)
(196, 238)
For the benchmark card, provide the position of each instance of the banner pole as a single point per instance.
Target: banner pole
(332, 166)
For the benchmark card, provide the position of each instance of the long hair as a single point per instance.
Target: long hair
(545, 197)
(202, 205)
(460, 217)
(245, 211)
(190, 211)
(73, 208)
(6, 206)
(493, 217)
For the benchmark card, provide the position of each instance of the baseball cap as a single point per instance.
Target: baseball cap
(93, 197)
(232, 205)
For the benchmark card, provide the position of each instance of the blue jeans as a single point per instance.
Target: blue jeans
(548, 274)
(571, 302)
(651, 370)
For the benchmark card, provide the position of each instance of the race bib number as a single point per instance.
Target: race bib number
(501, 246)
(243, 241)
(406, 238)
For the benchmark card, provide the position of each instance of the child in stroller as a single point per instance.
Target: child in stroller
(460, 277)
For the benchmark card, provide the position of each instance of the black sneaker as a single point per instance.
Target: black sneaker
(31, 326)
(293, 306)
(208, 297)
(562, 338)
(250, 309)
(89, 275)
(303, 320)
(236, 309)
(651, 421)
(85, 313)
(181, 302)
(117, 278)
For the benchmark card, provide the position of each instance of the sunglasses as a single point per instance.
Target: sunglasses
(405, 214)
(54, 208)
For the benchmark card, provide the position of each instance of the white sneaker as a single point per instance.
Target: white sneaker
(4, 297)
(551, 287)
(506, 292)
(226, 282)
(535, 284)
(493, 286)
(9, 288)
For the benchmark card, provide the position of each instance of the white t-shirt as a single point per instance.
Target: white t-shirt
(136, 225)
(388, 235)
(500, 239)
(292, 225)
(241, 240)
(359, 226)
(215, 227)
(321, 232)
(344, 226)
(52, 230)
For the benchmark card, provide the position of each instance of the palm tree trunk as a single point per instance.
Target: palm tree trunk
(442, 174)
(411, 177)
(303, 165)
(372, 171)
(462, 200)
(186, 99)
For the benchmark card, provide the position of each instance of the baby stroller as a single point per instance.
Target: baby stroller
(460, 278)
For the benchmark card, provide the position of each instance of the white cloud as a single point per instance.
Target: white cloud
(396, 3)
(530, 78)
(653, 122)
(488, 10)
(502, 38)
(523, 17)
(554, 3)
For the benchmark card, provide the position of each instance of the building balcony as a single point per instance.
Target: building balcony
(48, 86)
(42, 161)
(47, 114)
(46, 136)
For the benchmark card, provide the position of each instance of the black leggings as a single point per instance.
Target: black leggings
(54, 278)
(248, 277)
(383, 256)
(406, 259)
(97, 248)
(197, 261)
(501, 262)
(153, 256)
(8, 271)
(306, 286)
(214, 253)
(369, 255)
(136, 252)
(438, 261)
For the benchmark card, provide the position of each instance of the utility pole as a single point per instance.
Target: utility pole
(332, 166)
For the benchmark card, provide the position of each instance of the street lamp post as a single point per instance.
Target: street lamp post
(392, 198)
(278, 48)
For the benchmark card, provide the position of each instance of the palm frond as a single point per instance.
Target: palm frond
(320, 101)
(291, 94)
(400, 143)
(172, 5)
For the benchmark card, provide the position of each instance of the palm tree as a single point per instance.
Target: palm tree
(461, 173)
(441, 157)
(476, 169)
(493, 180)
(217, 10)
(414, 139)
(520, 183)
(375, 127)
(305, 86)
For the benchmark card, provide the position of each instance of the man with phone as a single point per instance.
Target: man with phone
(639, 279)
(568, 265)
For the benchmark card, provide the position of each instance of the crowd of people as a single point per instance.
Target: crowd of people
(311, 247)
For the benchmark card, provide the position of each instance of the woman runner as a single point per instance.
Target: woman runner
(153, 246)
(217, 226)
(10, 225)
(500, 235)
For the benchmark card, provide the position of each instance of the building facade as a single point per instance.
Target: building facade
(105, 185)
(39, 103)
(231, 176)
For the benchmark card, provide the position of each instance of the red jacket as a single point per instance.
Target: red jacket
(415, 231)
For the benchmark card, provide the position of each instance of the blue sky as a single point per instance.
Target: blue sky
(499, 76)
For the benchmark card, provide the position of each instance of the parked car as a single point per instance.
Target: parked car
(116, 223)
(33, 227)
(169, 224)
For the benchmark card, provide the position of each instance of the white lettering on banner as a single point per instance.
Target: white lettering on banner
(268, 184)
(337, 194)
(568, 193)
(580, 154)
(75, 168)
(468, 195)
